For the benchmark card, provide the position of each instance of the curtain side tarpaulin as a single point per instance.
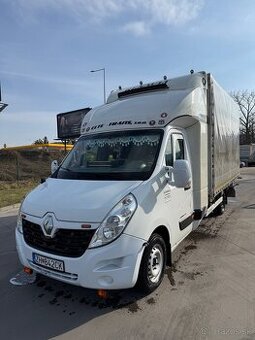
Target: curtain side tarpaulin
(226, 134)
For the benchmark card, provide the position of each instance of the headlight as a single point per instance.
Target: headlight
(115, 222)
(19, 219)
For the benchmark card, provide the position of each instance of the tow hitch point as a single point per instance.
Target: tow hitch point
(28, 271)
(102, 294)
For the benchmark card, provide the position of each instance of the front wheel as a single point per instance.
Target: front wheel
(153, 264)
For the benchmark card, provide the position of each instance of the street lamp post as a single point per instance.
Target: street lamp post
(2, 105)
(101, 69)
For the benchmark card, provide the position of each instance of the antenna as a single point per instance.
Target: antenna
(0, 92)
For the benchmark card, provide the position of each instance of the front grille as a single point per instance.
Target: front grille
(66, 242)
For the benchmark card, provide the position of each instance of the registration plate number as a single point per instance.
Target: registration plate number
(48, 262)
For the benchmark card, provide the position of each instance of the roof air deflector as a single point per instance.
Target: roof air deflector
(161, 85)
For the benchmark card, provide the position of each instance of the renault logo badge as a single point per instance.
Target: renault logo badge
(48, 226)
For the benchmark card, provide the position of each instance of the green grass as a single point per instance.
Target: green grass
(21, 171)
(13, 192)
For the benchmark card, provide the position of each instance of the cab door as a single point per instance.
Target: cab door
(179, 200)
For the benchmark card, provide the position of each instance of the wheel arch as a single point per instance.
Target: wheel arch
(164, 233)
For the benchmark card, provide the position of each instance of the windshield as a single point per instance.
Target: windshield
(129, 155)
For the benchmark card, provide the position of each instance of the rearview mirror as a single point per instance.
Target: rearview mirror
(54, 166)
(182, 174)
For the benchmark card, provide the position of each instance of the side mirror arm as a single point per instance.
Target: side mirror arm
(54, 166)
(169, 172)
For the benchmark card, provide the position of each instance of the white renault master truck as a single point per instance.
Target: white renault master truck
(149, 165)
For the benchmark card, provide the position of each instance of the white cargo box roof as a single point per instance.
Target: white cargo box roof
(150, 105)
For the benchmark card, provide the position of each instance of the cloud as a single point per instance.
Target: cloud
(25, 117)
(46, 78)
(67, 84)
(100, 9)
(79, 9)
(138, 28)
(139, 15)
(26, 126)
(176, 11)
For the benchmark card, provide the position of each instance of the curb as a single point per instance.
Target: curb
(10, 207)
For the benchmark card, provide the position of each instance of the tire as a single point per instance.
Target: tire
(219, 210)
(153, 264)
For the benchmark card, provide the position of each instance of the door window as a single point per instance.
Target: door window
(179, 148)
(169, 152)
(174, 149)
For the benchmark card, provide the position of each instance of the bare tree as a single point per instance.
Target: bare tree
(45, 140)
(246, 103)
(38, 141)
(42, 141)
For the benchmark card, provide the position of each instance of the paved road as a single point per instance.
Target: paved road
(208, 294)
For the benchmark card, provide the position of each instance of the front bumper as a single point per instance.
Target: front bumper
(114, 266)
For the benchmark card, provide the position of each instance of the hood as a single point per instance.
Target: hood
(76, 200)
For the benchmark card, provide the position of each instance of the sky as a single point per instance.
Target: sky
(49, 47)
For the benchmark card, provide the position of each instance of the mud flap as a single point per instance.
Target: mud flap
(231, 192)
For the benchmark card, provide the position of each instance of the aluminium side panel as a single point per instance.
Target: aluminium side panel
(224, 139)
(198, 143)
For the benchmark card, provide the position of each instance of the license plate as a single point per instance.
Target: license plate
(48, 262)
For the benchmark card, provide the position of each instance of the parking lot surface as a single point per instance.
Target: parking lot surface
(209, 293)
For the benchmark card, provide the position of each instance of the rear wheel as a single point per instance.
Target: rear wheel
(153, 264)
(219, 210)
